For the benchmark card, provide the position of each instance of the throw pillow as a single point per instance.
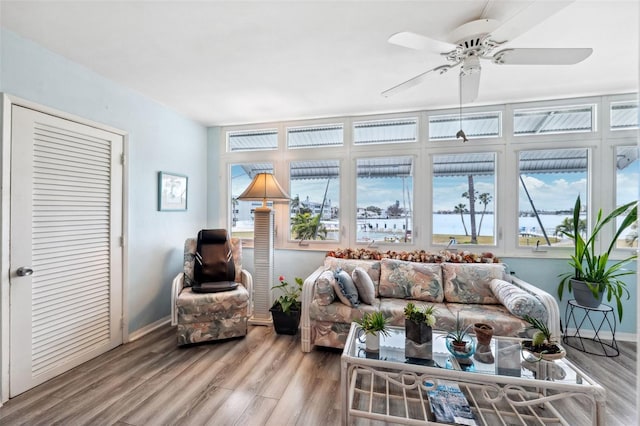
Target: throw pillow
(325, 294)
(469, 282)
(364, 284)
(518, 301)
(346, 290)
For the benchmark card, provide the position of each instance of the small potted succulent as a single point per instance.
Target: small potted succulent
(286, 309)
(373, 324)
(543, 346)
(459, 341)
(418, 322)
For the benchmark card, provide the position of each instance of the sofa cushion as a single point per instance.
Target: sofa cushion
(364, 284)
(411, 280)
(372, 267)
(503, 323)
(345, 289)
(518, 301)
(394, 310)
(207, 307)
(324, 292)
(470, 282)
(339, 312)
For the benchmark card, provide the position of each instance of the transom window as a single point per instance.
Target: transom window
(478, 125)
(385, 131)
(624, 115)
(252, 140)
(553, 120)
(315, 136)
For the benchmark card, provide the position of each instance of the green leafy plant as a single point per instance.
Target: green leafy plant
(372, 322)
(461, 332)
(289, 300)
(594, 268)
(542, 335)
(425, 315)
(543, 344)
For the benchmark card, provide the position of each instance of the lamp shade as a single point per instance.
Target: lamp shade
(264, 187)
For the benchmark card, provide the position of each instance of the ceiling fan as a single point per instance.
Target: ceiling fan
(469, 44)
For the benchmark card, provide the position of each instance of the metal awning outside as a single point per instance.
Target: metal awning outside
(478, 164)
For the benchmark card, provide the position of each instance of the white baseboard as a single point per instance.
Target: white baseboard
(605, 335)
(149, 328)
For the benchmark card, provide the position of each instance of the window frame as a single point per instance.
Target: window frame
(600, 142)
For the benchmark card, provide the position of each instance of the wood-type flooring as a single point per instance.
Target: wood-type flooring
(262, 379)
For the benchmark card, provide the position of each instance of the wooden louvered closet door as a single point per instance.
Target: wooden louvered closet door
(66, 226)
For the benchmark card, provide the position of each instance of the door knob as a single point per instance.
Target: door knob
(23, 272)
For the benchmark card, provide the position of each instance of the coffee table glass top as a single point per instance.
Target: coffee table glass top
(509, 360)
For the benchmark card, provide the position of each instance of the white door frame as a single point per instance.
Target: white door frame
(5, 224)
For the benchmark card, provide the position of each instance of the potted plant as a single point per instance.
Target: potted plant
(542, 345)
(459, 342)
(593, 274)
(418, 322)
(373, 324)
(287, 307)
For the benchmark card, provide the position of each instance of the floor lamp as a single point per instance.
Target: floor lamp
(263, 187)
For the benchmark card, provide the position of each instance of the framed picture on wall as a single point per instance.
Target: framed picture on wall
(172, 192)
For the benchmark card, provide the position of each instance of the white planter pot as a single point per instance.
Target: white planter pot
(372, 342)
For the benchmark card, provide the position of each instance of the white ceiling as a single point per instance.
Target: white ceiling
(245, 62)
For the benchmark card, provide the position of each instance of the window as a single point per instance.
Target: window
(314, 136)
(479, 125)
(385, 131)
(624, 115)
(553, 120)
(627, 175)
(242, 211)
(378, 166)
(463, 198)
(315, 195)
(252, 140)
(384, 199)
(550, 182)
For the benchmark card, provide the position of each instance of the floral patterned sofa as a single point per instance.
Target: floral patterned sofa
(477, 287)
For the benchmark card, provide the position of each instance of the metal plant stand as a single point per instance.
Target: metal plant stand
(602, 316)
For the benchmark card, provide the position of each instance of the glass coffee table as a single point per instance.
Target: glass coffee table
(515, 389)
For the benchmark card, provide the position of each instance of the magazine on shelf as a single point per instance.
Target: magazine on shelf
(449, 405)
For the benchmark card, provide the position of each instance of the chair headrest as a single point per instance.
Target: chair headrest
(211, 236)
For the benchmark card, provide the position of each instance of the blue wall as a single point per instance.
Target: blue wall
(159, 140)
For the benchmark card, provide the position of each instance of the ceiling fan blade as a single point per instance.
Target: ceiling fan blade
(469, 86)
(418, 42)
(412, 82)
(526, 18)
(542, 56)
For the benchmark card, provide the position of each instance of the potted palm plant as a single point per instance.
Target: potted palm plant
(373, 324)
(286, 309)
(594, 275)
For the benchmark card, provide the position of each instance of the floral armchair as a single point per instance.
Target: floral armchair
(202, 317)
